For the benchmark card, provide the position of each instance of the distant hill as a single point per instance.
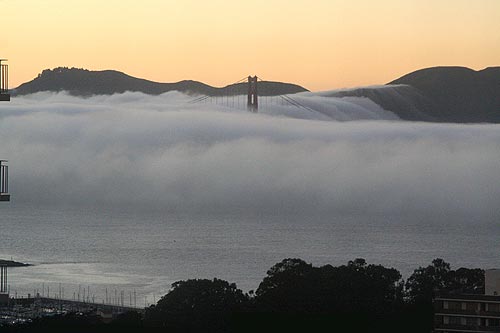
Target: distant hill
(82, 82)
(458, 94)
(405, 101)
(440, 94)
(10, 263)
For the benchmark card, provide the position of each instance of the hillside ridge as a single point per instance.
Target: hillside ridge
(436, 94)
(83, 82)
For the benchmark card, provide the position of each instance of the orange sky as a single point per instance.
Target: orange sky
(320, 44)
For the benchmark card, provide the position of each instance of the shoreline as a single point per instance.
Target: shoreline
(11, 263)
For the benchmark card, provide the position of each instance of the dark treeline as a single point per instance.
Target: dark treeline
(294, 296)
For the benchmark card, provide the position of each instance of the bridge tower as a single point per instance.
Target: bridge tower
(253, 100)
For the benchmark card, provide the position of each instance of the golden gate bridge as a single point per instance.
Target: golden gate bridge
(233, 96)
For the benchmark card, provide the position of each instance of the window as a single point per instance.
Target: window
(471, 321)
(471, 306)
(494, 322)
(494, 307)
(455, 305)
(455, 321)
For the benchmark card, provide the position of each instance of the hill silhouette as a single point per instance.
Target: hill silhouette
(82, 82)
(458, 94)
(405, 101)
(438, 94)
(11, 263)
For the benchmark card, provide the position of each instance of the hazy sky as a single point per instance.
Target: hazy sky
(320, 44)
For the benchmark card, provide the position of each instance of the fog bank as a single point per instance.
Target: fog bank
(133, 150)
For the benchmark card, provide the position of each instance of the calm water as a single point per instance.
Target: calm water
(146, 252)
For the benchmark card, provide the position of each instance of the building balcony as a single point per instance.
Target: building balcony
(469, 313)
(4, 82)
(465, 328)
(4, 181)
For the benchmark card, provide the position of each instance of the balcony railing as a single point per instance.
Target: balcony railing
(475, 313)
(4, 181)
(4, 81)
(465, 328)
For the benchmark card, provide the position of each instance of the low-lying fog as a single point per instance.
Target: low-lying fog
(161, 152)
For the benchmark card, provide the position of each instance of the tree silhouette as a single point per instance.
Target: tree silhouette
(198, 305)
(425, 282)
(288, 287)
(296, 286)
(436, 279)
